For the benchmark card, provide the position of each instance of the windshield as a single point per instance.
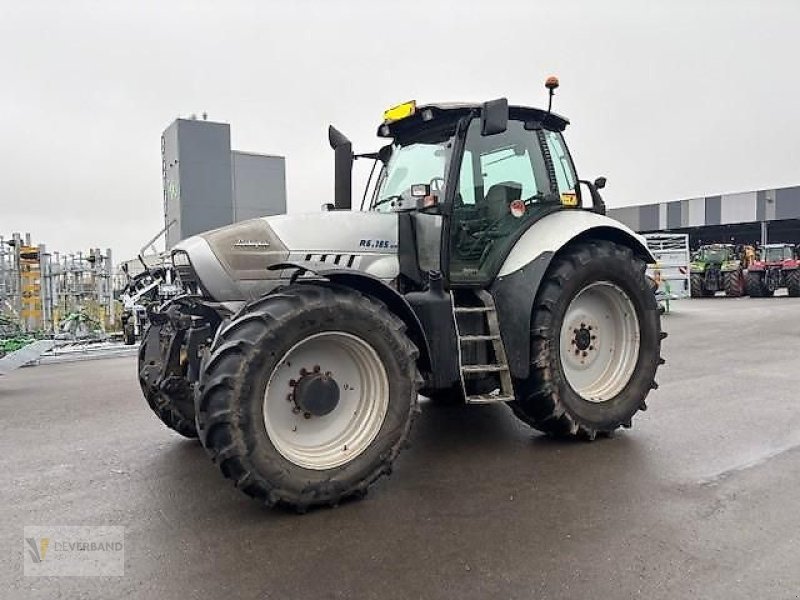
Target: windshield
(409, 164)
(773, 254)
(714, 255)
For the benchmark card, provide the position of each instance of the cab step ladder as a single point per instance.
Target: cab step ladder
(489, 313)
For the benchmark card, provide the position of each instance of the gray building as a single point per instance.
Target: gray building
(206, 185)
(760, 216)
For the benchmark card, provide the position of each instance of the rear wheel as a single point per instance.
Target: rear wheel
(734, 283)
(755, 285)
(596, 341)
(308, 395)
(793, 283)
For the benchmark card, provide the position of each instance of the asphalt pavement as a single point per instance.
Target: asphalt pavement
(701, 499)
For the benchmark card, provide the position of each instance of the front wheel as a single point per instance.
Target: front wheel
(308, 395)
(172, 400)
(595, 341)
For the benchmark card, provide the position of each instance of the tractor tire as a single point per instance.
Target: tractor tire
(282, 444)
(697, 289)
(129, 334)
(755, 285)
(594, 301)
(793, 283)
(734, 284)
(173, 403)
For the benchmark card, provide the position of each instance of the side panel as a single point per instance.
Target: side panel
(514, 290)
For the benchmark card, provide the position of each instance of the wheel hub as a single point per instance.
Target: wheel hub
(318, 422)
(316, 393)
(583, 338)
(599, 341)
(584, 344)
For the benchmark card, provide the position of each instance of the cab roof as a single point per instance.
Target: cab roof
(426, 115)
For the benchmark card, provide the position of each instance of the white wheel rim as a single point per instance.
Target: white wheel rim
(599, 341)
(334, 439)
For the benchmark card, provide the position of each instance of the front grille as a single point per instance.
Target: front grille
(342, 260)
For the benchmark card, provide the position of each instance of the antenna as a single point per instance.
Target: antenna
(551, 83)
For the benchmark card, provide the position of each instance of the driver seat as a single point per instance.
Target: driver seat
(496, 204)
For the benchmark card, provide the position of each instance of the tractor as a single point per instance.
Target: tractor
(473, 274)
(717, 267)
(776, 266)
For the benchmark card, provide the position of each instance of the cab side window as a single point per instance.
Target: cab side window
(565, 173)
(506, 164)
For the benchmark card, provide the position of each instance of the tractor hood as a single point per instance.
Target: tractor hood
(231, 263)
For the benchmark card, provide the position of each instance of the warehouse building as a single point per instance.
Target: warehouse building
(762, 216)
(207, 185)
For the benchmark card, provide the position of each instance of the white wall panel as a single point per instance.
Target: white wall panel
(739, 208)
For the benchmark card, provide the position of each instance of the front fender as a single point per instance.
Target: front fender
(370, 286)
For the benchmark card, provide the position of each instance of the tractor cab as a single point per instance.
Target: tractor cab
(776, 254)
(466, 181)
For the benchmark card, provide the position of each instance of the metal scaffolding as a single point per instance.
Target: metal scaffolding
(38, 288)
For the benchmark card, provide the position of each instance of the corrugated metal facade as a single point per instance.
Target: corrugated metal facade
(726, 209)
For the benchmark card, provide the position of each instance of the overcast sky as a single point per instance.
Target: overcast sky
(669, 100)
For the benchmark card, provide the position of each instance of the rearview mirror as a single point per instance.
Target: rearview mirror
(494, 116)
(600, 183)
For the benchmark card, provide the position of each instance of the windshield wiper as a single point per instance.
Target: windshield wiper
(385, 200)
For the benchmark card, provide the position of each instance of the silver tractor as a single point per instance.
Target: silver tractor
(473, 273)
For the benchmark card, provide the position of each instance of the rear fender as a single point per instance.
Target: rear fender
(521, 275)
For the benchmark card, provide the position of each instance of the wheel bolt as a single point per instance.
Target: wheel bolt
(288, 397)
(594, 337)
(577, 352)
(327, 373)
(307, 415)
(591, 347)
(292, 382)
(583, 353)
(589, 328)
(303, 371)
(316, 369)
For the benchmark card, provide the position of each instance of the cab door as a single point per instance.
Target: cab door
(504, 185)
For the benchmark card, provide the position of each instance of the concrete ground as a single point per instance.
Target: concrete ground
(698, 500)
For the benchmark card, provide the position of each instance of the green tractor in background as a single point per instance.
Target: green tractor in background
(717, 268)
